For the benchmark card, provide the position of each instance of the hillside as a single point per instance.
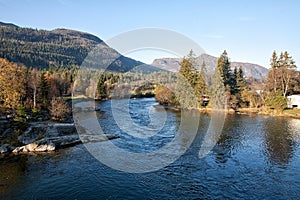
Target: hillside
(173, 64)
(59, 47)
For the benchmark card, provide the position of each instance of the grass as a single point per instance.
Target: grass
(292, 112)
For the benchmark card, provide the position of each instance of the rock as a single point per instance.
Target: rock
(48, 136)
(39, 146)
(18, 149)
(8, 131)
(45, 147)
(4, 148)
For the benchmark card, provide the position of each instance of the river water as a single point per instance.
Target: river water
(256, 157)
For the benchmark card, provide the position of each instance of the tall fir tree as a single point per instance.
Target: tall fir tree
(218, 91)
(224, 68)
(201, 86)
(188, 68)
(101, 91)
(44, 89)
(187, 80)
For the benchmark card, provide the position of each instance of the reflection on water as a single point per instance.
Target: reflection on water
(278, 140)
(11, 171)
(254, 158)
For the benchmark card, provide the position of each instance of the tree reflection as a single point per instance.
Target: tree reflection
(230, 138)
(278, 140)
(11, 170)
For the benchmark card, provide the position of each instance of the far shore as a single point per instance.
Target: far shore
(292, 113)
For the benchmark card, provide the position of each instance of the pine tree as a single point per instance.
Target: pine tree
(101, 92)
(187, 80)
(218, 91)
(224, 68)
(240, 81)
(233, 82)
(188, 68)
(44, 88)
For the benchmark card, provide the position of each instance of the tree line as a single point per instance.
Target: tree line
(229, 88)
(35, 91)
(28, 91)
(42, 93)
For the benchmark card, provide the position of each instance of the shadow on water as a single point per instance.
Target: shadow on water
(12, 168)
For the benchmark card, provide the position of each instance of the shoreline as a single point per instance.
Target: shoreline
(47, 137)
(258, 111)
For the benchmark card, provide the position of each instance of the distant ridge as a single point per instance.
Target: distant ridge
(250, 70)
(60, 47)
(7, 24)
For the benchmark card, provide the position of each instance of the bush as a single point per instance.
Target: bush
(35, 112)
(21, 114)
(276, 102)
(59, 109)
(164, 96)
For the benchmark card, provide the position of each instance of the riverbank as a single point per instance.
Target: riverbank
(46, 137)
(292, 113)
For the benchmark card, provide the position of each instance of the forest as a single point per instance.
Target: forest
(28, 93)
(59, 48)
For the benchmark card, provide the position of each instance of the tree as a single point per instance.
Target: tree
(101, 91)
(188, 68)
(201, 87)
(222, 83)
(44, 89)
(33, 85)
(277, 101)
(218, 94)
(187, 79)
(272, 75)
(286, 72)
(282, 73)
(12, 84)
(223, 67)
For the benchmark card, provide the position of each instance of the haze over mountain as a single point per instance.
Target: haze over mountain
(61, 47)
(250, 70)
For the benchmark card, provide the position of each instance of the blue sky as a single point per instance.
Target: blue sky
(248, 30)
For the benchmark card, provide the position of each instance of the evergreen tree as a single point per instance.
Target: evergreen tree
(101, 92)
(203, 71)
(224, 68)
(218, 91)
(44, 88)
(240, 81)
(233, 82)
(187, 80)
(188, 68)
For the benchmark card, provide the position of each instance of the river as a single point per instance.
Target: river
(256, 157)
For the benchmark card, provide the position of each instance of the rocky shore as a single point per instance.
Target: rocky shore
(48, 137)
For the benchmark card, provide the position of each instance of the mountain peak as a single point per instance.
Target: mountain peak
(8, 24)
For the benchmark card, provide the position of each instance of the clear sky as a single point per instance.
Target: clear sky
(248, 30)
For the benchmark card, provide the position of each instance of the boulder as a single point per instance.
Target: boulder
(39, 146)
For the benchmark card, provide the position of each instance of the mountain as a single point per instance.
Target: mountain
(250, 70)
(61, 47)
